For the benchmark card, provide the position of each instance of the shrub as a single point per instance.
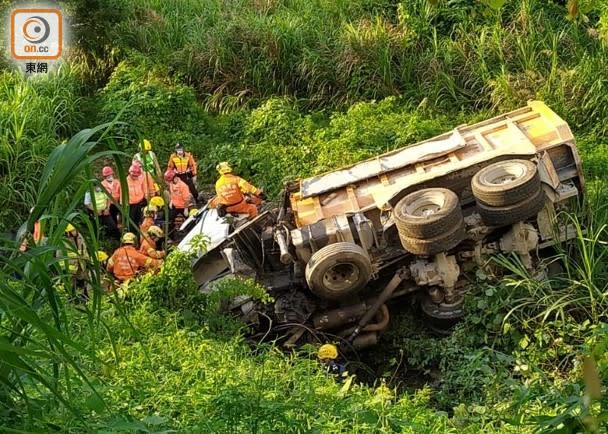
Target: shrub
(155, 107)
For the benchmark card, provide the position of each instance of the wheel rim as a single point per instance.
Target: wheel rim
(503, 174)
(426, 205)
(340, 277)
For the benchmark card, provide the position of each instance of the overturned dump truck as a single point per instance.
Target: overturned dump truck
(414, 221)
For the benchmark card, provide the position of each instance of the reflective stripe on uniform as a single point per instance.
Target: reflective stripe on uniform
(181, 164)
(228, 191)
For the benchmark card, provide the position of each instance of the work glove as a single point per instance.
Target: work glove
(221, 210)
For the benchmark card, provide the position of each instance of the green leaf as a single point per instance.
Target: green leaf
(94, 403)
(155, 420)
(495, 4)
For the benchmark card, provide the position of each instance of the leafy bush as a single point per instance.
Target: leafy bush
(172, 288)
(155, 107)
(276, 142)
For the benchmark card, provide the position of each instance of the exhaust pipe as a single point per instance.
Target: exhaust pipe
(338, 317)
(286, 257)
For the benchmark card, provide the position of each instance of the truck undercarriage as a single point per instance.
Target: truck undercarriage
(417, 220)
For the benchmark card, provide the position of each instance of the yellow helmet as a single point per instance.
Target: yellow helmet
(156, 231)
(102, 256)
(157, 201)
(128, 238)
(149, 210)
(328, 351)
(69, 228)
(223, 167)
(146, 145)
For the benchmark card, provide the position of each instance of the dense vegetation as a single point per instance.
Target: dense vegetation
(285, 89)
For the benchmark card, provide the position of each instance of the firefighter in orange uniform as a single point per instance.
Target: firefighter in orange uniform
(127, 261)
(148, 243)
(185, 167)
(149, 215)
(141, 188)
(231, 191)
(180, 194)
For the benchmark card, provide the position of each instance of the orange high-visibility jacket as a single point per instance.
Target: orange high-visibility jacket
(148, 248)
(230, 189)
(145, 225)
(182, 164)
(127, 261)
(140, 188)
(180, 193)
(113, 188)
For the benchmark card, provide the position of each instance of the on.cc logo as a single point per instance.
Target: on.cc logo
(36, 30)
(36, 33)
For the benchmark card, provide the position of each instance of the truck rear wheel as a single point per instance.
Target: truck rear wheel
(506, 215)
(442, 316)
(338, 270)
(427, 213)
(432, 246)
(506, 183)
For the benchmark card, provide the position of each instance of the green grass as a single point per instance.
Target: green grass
(330, 54)
(283, 90)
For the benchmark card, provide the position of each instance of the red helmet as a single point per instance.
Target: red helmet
(135, 169)
(169, 175)
(107, 171)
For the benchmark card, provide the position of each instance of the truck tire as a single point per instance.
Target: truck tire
(432, 246)
(441, 317)
(506, 183)
(338, 270)
(506, 215)
(427, 213)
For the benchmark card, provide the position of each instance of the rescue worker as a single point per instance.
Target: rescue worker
(149, 242)
(230, 193)
(159, 203)
(98, 208)
(327, 355)
(148, 159)
(76, 256)
(149, 214)
(149, 178)
(112, 186)
(185, 167)
(141, 188)
(180, 196)
(127, 261)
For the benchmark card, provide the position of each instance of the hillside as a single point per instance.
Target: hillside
(288, 89)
